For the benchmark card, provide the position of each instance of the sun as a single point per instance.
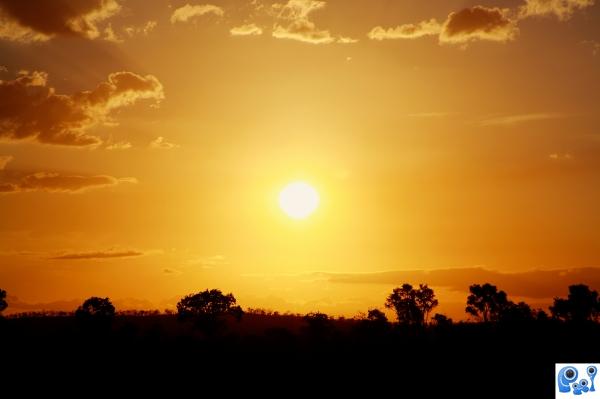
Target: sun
(298, 200)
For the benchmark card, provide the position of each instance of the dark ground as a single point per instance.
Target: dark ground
(267, 353)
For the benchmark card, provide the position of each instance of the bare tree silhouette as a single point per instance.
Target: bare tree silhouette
(412, 306)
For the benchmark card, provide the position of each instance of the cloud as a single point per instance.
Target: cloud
(30, 109)
(141, 30)
(4, 160)
(111, 36)
(562, 9)
(97, 255)
(118, 146)
(208, 262)
(407, 31)
(27, 21)
(246, 30)
(60, 183)
(593, 45)
(529, 284)
(172, 272)
(299, 27)
(479, 23)
(187, 12)
(346, 40)
(462, 27)
(428, 115)
(162, 143)
(560, 157)
(508, 120)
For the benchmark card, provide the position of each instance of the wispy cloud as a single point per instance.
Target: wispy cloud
(246, 30)
(53, 182)
(187, 12)
(295, 23)
(407, 31)
(208, 262)
(97, 255)
(4, 160)
(531, 283)
(161, 143)
(562, 9)
(508, 120)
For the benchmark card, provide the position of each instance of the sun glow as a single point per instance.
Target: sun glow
(298, 200)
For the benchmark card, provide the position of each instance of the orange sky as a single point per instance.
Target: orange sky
(143, 146)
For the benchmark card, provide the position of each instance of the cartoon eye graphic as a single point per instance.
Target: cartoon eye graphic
(566, 376)
(583, 383)
(591, 372)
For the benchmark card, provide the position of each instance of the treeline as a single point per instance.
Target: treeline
(412, 306)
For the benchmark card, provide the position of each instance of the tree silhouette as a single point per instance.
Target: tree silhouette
(3, 303)
(485, 302)
(582, 304)
(319, 325)
(442, 321)
(95, 308)
(96, 315)
(412, 306)
(376, 316)
(515, 312)
(207, 309)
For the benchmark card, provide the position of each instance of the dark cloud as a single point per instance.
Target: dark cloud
(97, 255)
(30, 109)
(469, 24)
(58, 183)
(479, 23)
(530, 284)
(38, 20)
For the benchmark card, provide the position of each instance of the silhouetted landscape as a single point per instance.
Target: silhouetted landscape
(211, 335)
(314, 198)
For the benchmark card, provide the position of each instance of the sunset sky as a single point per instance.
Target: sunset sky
(144, 144)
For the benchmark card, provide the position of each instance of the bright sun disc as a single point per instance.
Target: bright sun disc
(298, 200)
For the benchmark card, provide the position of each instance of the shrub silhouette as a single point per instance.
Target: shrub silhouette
(412, 306)
(376, 316)
(207, 309)
(3, 303)
(442, 321)
(581, 305)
